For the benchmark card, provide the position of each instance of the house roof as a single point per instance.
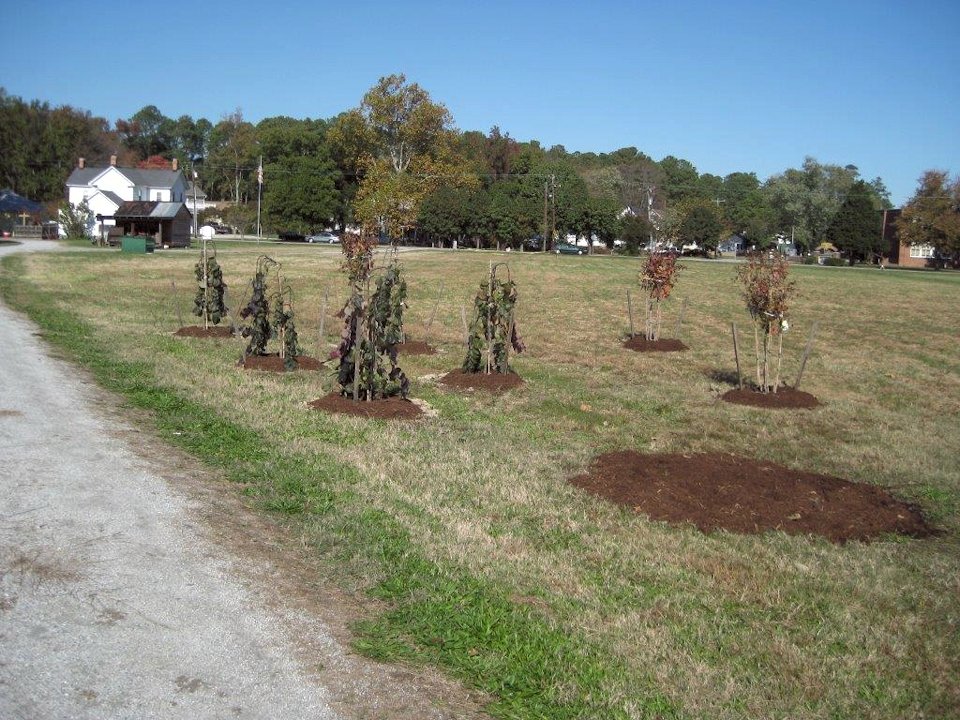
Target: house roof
(189, 192)
(143, 209)
(148, 178)
(112, 197)
(10, 202)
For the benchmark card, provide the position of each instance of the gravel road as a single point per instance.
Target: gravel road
(131, 587)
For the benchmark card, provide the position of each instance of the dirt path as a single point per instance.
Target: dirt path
(133, 584)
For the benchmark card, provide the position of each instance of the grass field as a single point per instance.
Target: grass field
(493, 567)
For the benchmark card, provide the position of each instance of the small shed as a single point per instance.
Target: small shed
(168, 223)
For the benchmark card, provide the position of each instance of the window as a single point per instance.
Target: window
(921, 251)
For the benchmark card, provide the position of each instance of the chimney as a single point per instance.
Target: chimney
(113, 160)
(81, 162)
(175, 164)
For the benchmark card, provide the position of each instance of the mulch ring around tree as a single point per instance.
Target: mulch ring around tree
(274, 363)
(415, 347)
(392, 408)
(740, 495)
(196, 331)
(493, 382)
(784, 397)
(639, 343)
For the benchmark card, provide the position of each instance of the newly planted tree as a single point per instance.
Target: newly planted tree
(283, 325)
(388, 303)
(767, 291)
(493, 331)
(208, 302)
(258, 310)
(658, 276)
(372, 326)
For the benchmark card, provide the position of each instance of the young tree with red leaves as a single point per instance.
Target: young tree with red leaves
(657, 277)
(767, 291)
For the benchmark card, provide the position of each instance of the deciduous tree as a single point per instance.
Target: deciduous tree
(932, 216)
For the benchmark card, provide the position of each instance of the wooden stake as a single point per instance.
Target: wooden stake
(466, 328)
(323, 319)
(176, 303)
(630, 313)
(226, 307)
(806, 354)
(736, 355)
(435, 306)
(206, 286)
(683, 306)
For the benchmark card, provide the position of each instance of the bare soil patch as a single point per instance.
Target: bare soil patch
(214, 331)
(494, 382)
(640, 344)
(784, 398)
(727, 492)
(394, 408)
(274, 363)
(415, 347)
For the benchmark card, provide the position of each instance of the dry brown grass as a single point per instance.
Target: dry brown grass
(729, 626)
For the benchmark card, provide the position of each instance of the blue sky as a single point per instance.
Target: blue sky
(730, 86)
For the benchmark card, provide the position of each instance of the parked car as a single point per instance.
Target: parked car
(567, 249)
(324, 237)
(291, 236)
(222, 229)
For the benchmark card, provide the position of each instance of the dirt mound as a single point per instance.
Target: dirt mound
(726, 492)
(640, 344)
(415, 347)
(274, 363)
(394, 408)
(494, 382)
(785, 397)
(214, 331)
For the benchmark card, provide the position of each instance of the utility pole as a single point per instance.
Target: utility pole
(553, 206)
(544, 237)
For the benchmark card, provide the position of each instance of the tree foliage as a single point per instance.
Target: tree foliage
(856, 228)
(701, 225)
(76, 220)
(932, 216)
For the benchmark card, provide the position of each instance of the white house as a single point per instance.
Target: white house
(105, 188)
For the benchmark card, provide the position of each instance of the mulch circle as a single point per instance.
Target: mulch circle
(785, 397)
(415, 347)
(494, 382)
(214, 331)
(640, 344)
(740, 495)
(274, 363)
(393, 408)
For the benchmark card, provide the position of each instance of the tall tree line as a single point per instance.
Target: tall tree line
(396, 162)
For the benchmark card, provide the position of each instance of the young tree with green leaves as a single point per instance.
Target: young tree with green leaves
(493, 330)
(367, 368)
(209, 300)
(75, 219)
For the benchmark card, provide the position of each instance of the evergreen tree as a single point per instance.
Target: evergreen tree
(855, 228)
